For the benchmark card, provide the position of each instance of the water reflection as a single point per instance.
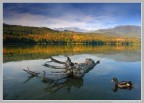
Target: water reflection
(29, 78)
(68, 84)
(27, 52)
(119, 61)
(54, 86)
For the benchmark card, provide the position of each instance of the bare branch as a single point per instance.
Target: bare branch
(57, 61)
(54, 67)
(31, 72)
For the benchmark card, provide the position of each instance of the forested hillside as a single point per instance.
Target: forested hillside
(16, 34)
(125, 30)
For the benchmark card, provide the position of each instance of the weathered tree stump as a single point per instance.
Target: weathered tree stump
(69, 69)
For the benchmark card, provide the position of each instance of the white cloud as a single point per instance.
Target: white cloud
(81, 21)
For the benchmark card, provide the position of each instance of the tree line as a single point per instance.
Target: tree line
(16, 34)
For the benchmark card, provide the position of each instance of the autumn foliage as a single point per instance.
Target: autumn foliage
(15, 34)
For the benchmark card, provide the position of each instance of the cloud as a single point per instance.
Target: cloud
(85, 16)
(83, 21)
(25, 19)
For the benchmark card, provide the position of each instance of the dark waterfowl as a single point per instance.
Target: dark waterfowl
(122, 84)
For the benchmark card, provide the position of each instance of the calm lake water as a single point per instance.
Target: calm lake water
(123, 62)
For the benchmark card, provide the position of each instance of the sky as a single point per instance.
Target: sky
(89, 16)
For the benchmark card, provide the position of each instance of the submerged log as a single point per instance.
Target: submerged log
(75, 69)
(66, 64)
(81, 69)
(54, 67)
(57, 61)
(70, 69)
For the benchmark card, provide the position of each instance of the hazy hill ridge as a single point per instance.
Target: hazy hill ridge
(74, 29)
(126, 30)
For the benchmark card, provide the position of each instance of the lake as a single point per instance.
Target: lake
(122, 62)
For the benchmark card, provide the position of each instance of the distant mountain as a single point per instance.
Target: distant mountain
(126, 30)
(74, 29)
(123, 30)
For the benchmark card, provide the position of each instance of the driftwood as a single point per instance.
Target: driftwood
(54, 67)
(68, 70)
(74, 69)
(31, 72)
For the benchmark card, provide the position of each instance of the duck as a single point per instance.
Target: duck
(122, 84)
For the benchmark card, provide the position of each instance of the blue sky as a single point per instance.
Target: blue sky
(90, 16)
